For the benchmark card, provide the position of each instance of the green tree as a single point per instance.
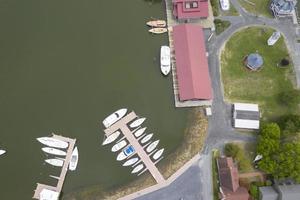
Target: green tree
(289, 124)
(267, 146)
(231, 150)
(270, 130)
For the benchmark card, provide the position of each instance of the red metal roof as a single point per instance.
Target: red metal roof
(184, 9)
(191, 63)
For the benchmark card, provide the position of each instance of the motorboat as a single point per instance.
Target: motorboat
(137, 122)
(152, 146)
(114, 117)
(274, 38)
(2, 151)
(112, 137)
(137, 168)
(225, 5)
(126, 153)
(146, 138)
(157, 23)
(52, 142)
(46, 194)
(54, 151)
(165, 60)
(158, 154)
(131, 161)
(158, 30)
(119, 146)
(139, 132)
(55, 162)
(74, 159)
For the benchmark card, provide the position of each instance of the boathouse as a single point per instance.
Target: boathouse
(190, 9)
(191, 63)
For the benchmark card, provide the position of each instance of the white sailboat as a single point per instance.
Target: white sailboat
(137, 122)
(139, 132)
(54, 151)
(52, 142)
(152, 146)
(55, 162)
(137, 168)
(111, 138)
(119, 146)
(2, 151)
(158, 154)
(274, 38)
(114, 117)
(165, 60)
(131, 161)
(146, 138)
(74, 159)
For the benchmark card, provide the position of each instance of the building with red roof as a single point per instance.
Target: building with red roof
(191, 63)
(190, 9)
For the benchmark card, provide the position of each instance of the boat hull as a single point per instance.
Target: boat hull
(114, 117)
(54, 151)
(119, 146)
(137, 122)
(146, 138)
(111, 138)
(52, 142)
(2, 152)
(130, 161)
(74, 160)
(158, 30)
(158, 154)
(137, 168)
(157, 23)
(55, 162)
(152, 146)
(139, 132)
(165, 60)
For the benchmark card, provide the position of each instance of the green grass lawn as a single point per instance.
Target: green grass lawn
(260, 7)
(263, 86)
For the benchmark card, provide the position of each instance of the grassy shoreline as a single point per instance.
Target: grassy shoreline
(194, 137)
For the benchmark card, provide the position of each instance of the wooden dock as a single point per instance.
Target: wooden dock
(64, 169)
(122, 125)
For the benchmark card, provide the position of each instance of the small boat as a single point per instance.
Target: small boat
(125, 153)
(165, 61)
(119, 146)
(157, 23)
(158, 154)
(113, 118)
(274, 38)
(131, 161)
(139, 132)
(158, 30)
(137, 122)
(225, 5)
(52, 142)
(146, 138)
(111, 138)
(137, 168)
(55, 162)
(46, 194)
(74, 159)
(2, 152)
(152, 146)
(54, 151)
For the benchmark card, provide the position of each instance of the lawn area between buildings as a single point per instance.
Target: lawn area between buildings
(263, 86)
(257, 7)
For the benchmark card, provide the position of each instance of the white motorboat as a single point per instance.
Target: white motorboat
(55, 162)
(146, 138)
(274, 38)
(111, 138)
(74, 159)
(157, 23)
(119, 146)
(137, 122)
(131, 161)
(152, 146)
(2, 151)
(165, 60)
(125, 153)
(158, 154)
(225, 5)
(54, 151)
(52, 142)
(137, 168)
(139, 132)
(113, 118)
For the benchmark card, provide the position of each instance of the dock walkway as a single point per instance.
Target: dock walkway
(122, 125)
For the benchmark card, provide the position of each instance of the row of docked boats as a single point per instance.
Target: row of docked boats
(54, 147)
(157, 26)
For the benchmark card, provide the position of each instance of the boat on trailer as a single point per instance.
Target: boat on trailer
(137, 122)
(158, 30)
(114, 117)
(112, 137)
(54, 151)
(52, 142)
(74, 159)
(157, 23)
(165, 60)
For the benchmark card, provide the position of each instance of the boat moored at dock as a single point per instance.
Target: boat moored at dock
(146, 138)
(165, 60)
(119, 146)
(137, 168)
(139, 132)
(126, 153)
(158, 30)
(157, 23)
(111, 138)
(158, 154)
(152, 146)
(55, 162)
(137, 122)
(131, 161)
(74, 160)
(54, 151)
(114, 117)
(52, 142)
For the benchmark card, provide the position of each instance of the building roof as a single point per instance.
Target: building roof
(246, 106)
(246, 116)
(254, 61)
(191, 63)
(228, 174)
(190, 9)
(289, 192)
(48, 195)
(268, 193)
(284, 6)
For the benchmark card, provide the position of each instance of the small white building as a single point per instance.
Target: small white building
(246, 116)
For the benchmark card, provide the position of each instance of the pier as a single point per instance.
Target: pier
(57, 189)
(122, 125)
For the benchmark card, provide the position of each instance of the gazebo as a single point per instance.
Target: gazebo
(254, 61)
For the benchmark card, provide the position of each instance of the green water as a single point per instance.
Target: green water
(64, 66)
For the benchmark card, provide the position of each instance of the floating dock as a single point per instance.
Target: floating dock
(122, 125)
(40, 187)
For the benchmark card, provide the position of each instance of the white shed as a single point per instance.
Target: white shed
(246, 116)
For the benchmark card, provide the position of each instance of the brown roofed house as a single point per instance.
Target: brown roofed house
(229, 180)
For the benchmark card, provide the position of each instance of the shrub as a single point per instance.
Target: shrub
(215, 7)
(289, 97)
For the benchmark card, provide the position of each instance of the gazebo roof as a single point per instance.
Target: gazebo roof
(254, 61)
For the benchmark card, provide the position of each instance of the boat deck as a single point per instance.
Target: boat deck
(64, 169)
(122, 125)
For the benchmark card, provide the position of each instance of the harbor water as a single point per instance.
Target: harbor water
(64, 66)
